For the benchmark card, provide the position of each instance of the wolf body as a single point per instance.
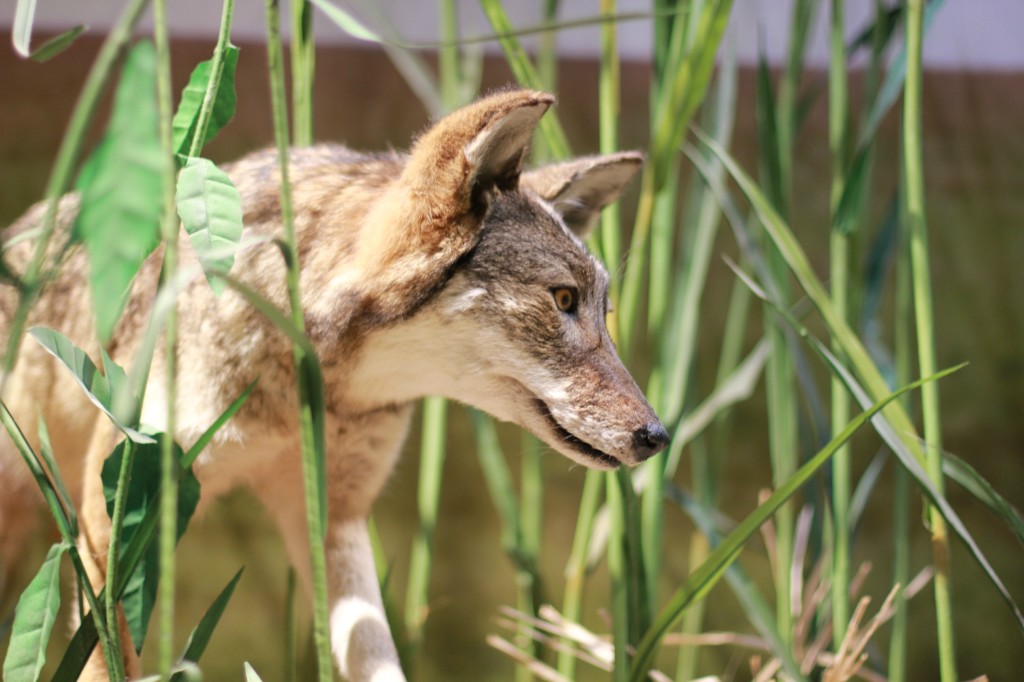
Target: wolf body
(448, 271)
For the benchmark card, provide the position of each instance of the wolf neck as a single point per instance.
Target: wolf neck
(405, 361)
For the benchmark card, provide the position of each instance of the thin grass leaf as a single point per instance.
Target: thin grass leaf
(202, 633)
(46, 454)
(21, 34)
(54, 46)
(964, 474)
(183, 125)
(143, 491)
(210, 208)
(866, 486)
(120, 210)
(700, 581)
(346, 22)
(250, 674)
(100, 390)
(756, 609)
(911, 460)
(204, 440)
(33, 620)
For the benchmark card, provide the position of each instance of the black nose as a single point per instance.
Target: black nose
(649, 439)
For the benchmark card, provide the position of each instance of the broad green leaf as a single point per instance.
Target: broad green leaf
(184, 123)
(33, 620)
(250, 674)
(121, 204)
(210, 208)
(102, 390)
(54, 46)
(202, 633)
(143, 490)
(21, 34)
(346, 22)
(707, 575)
(85, 638)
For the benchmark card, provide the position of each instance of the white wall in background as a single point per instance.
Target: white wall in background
(970, 34)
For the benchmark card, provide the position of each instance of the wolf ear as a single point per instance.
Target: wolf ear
(580, 188)
(476, 148)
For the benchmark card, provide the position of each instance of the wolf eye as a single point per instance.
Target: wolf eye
(565, 299)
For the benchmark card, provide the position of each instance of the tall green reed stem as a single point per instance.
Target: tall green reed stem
(169, 469)
(303, 54)
(839, 256)
(110, 597)
(913, 192)
(312, 443)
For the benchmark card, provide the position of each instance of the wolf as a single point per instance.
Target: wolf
(445, 271)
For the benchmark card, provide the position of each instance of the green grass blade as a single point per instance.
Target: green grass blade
(210, 208)
(346, 21)
(208, 435)
(700, 581)
(303, 67)
(46, 454)
(756, 609)
(120, 211)
(54, 46)
(33, 620)
(499, 481)
(970, 480)
(526, 73)
(205, 82)
(202, 633)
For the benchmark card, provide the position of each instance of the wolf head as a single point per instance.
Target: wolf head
(511, 307)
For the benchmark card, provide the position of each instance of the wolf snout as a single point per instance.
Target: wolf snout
(649, 440)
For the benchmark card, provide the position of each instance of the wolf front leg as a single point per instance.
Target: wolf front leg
(360, 637)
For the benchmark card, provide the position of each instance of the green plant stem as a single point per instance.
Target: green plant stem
(913, 188)
(618, 569)
(840, 273)
(291, 633)
(432, 455)
(310, 430)
(113, 551)
(169, 468)
(216, 71)
(450, 79)
(303, 55)
(531, 520)
(576, 567)
(789, 85)
(903, 343)
(60, 179)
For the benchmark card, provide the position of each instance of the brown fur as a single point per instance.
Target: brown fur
(430, 273)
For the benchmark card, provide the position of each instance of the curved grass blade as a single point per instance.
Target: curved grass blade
(700, 582)
(183, 125)
(903, 442)
(210, 208)
(974, 483)
(102, 391)
(54, 46)
(760, 614)
(33, 620)
(46, 454)
(202, 633)
(119, 217)
(346, 22)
